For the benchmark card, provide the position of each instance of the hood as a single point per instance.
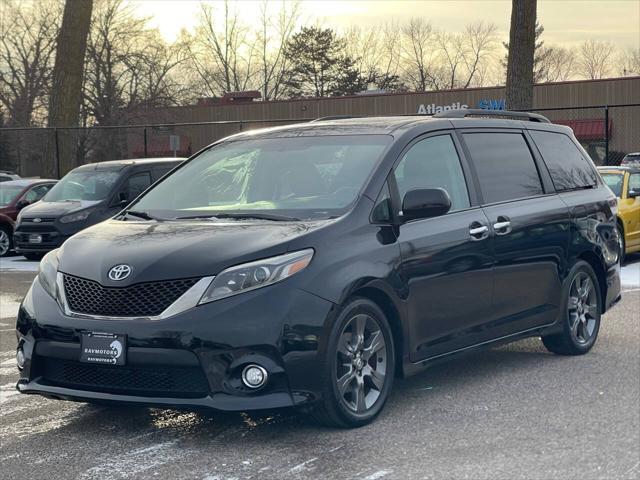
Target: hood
(171, 250)
(55, 209)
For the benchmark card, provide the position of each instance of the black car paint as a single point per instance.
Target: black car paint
(55, 233)
(443, 292)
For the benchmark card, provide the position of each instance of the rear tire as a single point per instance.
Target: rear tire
(6, 242)
(33, 256)
(580, 314)
(358, 368)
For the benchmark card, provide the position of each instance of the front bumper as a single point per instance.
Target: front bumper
(51, 238)
(192, 360)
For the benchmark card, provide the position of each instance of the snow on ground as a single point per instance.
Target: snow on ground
(9, 305)
(17, 264)
(630, 275)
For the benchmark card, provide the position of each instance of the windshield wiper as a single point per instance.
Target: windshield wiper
(139, 214)
(259, 216)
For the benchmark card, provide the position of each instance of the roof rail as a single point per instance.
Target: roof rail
(467, 112)
(334, 117)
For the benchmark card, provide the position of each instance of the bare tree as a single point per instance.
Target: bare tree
(418, 54)
(522, 44)
(275, 32)
(27, 48)
(556, 64)
(629, 62)
(595, 59)
(129, 70)
(223, 52)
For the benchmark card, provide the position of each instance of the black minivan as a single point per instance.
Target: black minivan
(85, 196)
(308, 265)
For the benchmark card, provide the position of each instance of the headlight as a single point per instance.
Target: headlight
(76, 217)
(19, 217)
(48, 272)
(249, 276)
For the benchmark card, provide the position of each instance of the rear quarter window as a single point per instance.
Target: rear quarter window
(568, 167)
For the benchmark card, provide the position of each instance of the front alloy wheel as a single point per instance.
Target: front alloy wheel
(358, 368)
(361, 363)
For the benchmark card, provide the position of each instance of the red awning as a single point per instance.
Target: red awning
(586, 129)
(158, 146)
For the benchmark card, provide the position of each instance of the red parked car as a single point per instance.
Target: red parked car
(14, 196)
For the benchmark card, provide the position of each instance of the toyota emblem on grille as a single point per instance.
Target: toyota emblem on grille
(119, 272)
(37, 220)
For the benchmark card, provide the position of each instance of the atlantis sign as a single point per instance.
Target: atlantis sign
(484, 104)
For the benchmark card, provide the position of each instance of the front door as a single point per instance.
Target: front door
(446, 261)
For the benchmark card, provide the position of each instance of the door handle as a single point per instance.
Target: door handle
(502, 226)
(478, 231)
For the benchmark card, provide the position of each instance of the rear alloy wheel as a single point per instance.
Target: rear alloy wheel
(359, 367)
(582, 312)
(5, 241)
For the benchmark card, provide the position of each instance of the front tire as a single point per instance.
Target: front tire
(581, 312)
(359, 366)
(6, 242)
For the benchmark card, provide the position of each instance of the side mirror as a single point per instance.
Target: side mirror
(633, 193)
(425, 203)
(21, 204)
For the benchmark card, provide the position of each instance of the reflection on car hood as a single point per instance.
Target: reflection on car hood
(174, 249)
(55, 209)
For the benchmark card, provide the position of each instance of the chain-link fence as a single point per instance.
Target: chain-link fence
(606, 132)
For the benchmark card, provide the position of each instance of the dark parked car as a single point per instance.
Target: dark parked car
(85, 196)
(308, 265)
(14, 196)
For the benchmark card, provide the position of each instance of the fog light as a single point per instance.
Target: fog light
(20, 358)
(254, 376)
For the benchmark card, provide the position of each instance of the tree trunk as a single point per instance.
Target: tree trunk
(66, 92)
(522, 45)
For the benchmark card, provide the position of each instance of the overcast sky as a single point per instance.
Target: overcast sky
(566, 22)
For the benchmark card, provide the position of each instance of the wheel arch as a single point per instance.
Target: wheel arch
(391, 310)
(601, 274)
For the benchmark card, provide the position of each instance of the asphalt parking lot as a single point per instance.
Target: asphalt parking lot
(512, 412)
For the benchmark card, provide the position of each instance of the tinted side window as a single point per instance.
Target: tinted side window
(568, 167)
(506, 169)
(433, 163)
(634, 183)
(138, 183)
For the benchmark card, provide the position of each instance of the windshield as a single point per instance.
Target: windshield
(83, 185)
(614, 182)
(302, 177)
(8, 194)
(631, 160)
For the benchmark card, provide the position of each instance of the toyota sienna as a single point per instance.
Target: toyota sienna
(309, 265)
